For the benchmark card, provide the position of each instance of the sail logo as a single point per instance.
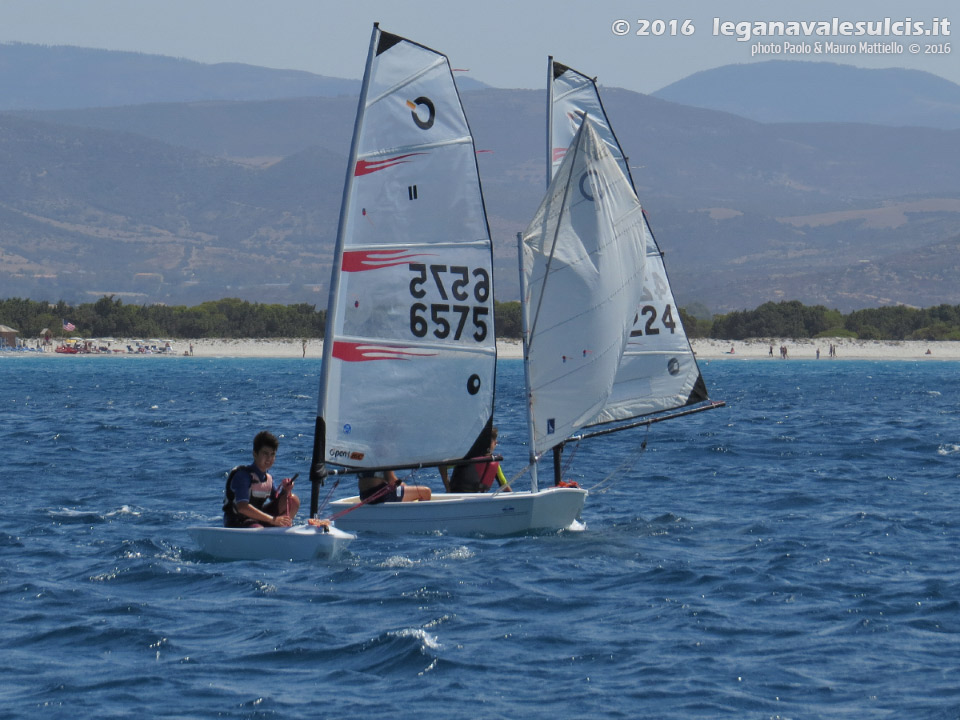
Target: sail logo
(431, 112)
(473, 384)
(365, 352)
(673, 367)
(365, 167)
(360, 260)
(551, 426)
(337, 454)
(591, 178)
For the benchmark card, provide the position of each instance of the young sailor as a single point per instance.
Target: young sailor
(252, 500)
(476, 477)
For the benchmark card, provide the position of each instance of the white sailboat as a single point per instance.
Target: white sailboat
(658, 377)
(300, 542)
(409, 353)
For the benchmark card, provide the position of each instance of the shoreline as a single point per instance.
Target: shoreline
(512, 349)
(846, 348)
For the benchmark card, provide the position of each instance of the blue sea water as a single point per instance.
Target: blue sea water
(793, 555)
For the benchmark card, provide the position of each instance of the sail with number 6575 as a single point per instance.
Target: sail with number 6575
(409, 353)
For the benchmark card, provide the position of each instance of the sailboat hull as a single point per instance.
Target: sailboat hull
(301, 542)
(467, 514)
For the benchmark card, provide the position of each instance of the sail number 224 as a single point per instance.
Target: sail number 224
(646, 321)
(463, 293)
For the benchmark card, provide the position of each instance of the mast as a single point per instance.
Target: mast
(549, 119)
(558, 449)
(532, 307)
(525, 331)
(318, 461)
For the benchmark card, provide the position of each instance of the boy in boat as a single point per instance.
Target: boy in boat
(383, 486)
(252, 499)
(476, 477)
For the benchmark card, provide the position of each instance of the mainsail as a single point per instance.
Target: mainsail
(409, 352)
(581, 276)
(658, 371)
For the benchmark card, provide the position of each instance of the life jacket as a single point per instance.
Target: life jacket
(474, 477)
(260, 492)
(488, 474)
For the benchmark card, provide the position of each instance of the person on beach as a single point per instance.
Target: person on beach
(252, 499)
(383, 487)
(476, 477)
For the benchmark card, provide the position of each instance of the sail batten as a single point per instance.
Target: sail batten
(440, 61)
(419, 147)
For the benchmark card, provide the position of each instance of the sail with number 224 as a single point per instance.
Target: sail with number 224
(409, 353)
(659, 371)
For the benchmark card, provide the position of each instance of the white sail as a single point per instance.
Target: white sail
(659, 370)
(582, 269)
(409, 351)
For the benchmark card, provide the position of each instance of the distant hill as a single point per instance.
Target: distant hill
(787, 91)
(745, 212)
(87, 212)
(44, 77)
(184, 202)
(53, 77)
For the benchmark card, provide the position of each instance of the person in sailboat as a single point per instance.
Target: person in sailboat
(252, 498)
(476, 477)
(383, 486)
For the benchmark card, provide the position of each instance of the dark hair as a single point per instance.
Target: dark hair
(265, 439)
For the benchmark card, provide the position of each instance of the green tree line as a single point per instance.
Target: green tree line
(227, 318)
(793, 319)
(111, 317)
(233, 318)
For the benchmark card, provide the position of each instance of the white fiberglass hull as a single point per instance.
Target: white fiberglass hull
(467, 513)
(300, 542)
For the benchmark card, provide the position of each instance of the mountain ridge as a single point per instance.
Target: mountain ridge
(776, 91)
(184, 202)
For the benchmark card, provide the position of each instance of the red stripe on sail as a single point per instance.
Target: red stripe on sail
(365, 167)
(558, 153)
(365, 352)
(360, 260)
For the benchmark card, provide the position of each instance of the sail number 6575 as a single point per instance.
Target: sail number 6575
(457, 286)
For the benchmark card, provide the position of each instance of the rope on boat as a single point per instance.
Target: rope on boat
(329, 494)
(569, 462)
(631, 460)
(376, 496)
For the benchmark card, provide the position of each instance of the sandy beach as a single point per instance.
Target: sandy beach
(705, 349)
(845, 349)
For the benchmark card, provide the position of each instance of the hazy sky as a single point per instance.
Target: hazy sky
(502, 42)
